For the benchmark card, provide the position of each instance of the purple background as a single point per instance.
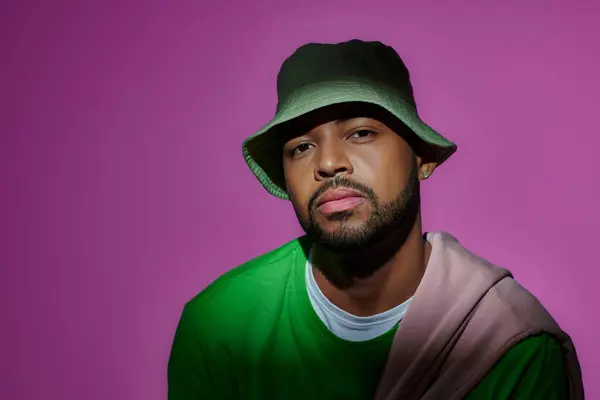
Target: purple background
(124, 191)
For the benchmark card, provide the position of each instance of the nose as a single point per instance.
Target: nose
(332, 161)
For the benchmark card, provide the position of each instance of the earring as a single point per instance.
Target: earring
(425, 174)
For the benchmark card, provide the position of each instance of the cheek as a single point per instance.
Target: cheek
(300, 206)
(386, 172)
(297, 191)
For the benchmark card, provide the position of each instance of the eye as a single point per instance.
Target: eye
(297, 150)
(362, 133)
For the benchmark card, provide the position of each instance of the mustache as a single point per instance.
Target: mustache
(341, 182)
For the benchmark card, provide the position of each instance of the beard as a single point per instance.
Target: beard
(394, 217)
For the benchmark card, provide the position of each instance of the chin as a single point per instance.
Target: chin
(347, 219)
(344, 241)
(343, 228)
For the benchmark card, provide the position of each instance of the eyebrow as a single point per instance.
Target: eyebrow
(337, 121)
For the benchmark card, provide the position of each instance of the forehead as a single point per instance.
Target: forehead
(337, 115)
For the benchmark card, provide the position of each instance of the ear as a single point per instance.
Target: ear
(425, 168)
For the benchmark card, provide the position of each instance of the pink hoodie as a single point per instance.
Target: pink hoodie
(465, 315)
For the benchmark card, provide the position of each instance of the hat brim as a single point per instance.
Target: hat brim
(264, 160)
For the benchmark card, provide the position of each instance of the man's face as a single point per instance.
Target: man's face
(351, 182)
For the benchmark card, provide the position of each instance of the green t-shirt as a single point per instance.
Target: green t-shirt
(253, 334)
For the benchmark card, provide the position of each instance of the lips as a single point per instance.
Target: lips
(338, 200)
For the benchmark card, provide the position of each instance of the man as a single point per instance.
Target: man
(365, 305)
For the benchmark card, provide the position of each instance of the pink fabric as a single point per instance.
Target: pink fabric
(465, 315)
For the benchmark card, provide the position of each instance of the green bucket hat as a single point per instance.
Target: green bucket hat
(318, 75)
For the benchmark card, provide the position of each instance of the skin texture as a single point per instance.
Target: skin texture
(372, 257)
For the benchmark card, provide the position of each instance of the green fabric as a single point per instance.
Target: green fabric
(532, 369)
(253, 334)
(319, 75)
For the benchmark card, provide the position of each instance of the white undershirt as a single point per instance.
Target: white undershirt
(345, 325)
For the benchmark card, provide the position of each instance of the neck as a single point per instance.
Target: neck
(395, 268)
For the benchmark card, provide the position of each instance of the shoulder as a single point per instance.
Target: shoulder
(506, 298)
(544, 346)
(536, 354)
(533, 367)
(524, 308)
(237, 293)
(251, 275)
